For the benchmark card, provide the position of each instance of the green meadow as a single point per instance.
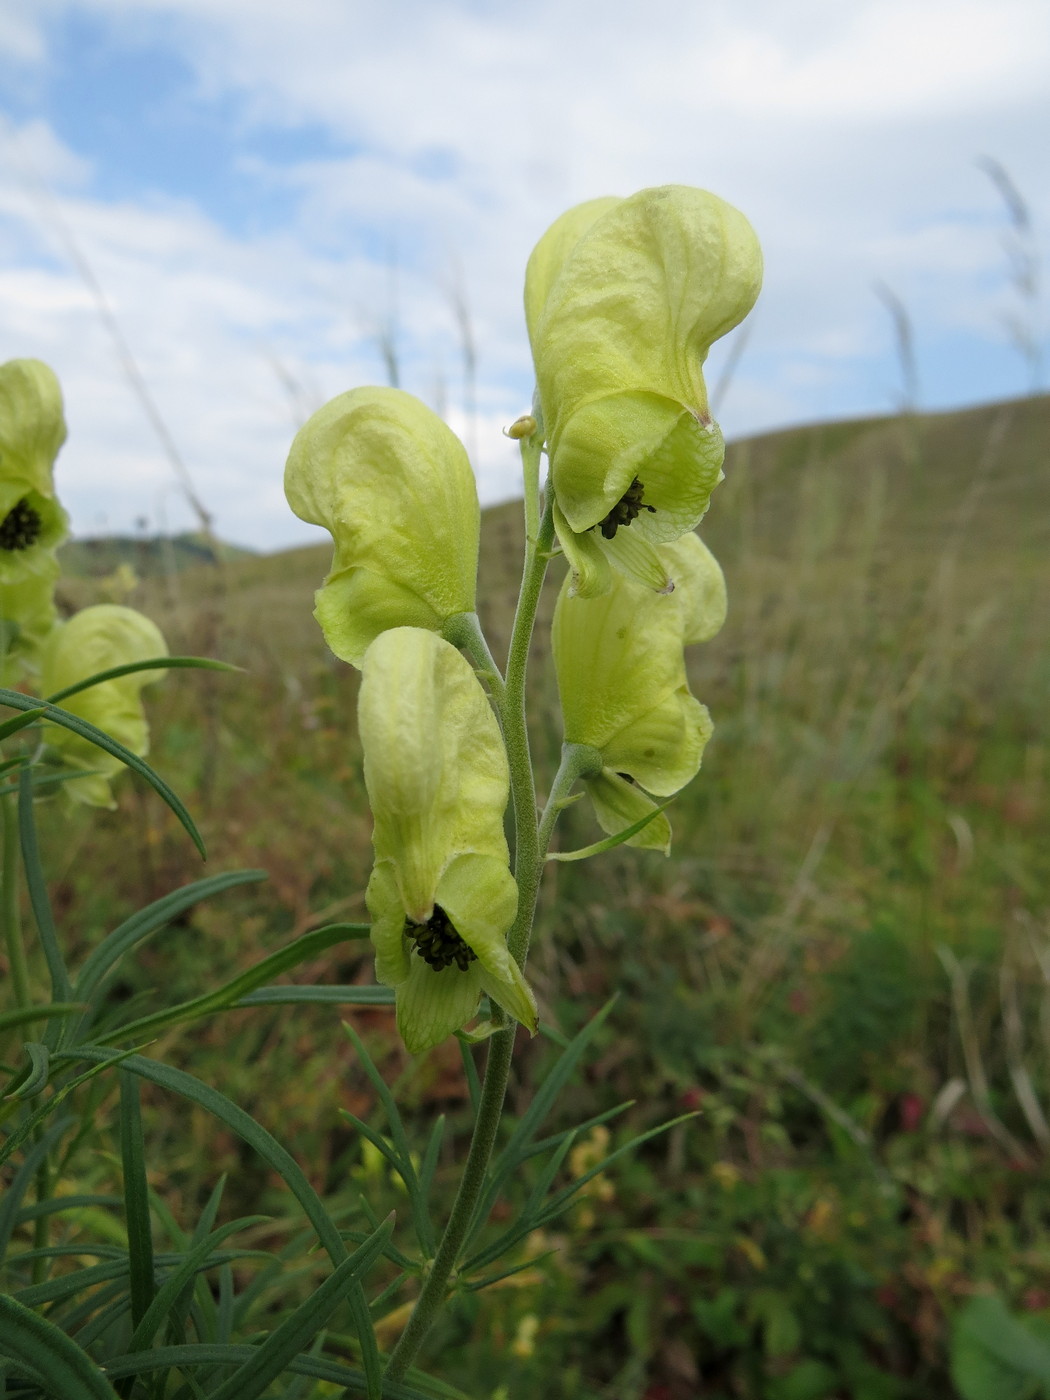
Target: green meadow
(842, 972)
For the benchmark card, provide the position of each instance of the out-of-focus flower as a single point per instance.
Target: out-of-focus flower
(624, 298)
(94, 640)
(27, 615)
(393, 486)
(622, 681)
(441, 894)
(32, 429)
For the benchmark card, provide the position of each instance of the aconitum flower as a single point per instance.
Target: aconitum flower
(623, 687)
(624, 298)
(32, 429)
(441, 894)
(393, 486)
(94, 640)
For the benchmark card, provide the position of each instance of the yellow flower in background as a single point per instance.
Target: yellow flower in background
(623, 686)
(32, 429)
(623, 299)
(27, 615)
(393, 486)
(94, 640)
(441, 894)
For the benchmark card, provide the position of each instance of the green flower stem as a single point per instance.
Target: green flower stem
(528, 868)
(9, 911)
(577, 761)
(464, 630)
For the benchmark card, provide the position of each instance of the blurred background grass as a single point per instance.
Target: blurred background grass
(843, 967)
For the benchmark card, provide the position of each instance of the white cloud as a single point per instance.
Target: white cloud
(847, 133)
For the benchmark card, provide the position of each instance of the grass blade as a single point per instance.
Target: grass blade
(146, 921)
(17, 722)
(193, 1262)
(61, 987)
(275, 1156)
(299, 951)
(324, 996)
(17, 701)
(249, 1381)
(136, 1198)
(11, 1201)
(27, 1014)
(45, 1351)
(197, 1354)
(516, 1149)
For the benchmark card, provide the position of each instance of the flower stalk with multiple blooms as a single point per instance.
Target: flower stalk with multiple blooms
(623, 299)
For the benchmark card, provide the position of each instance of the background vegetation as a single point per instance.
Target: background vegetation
(844, 968)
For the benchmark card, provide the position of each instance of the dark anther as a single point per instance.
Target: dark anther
(626, 508)
(438, 943)
(20, 527)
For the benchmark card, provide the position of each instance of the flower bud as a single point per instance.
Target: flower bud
(623, 299)
(32, 429)
(393, 486)
(623, 687)
(93, 640)
(441, 894)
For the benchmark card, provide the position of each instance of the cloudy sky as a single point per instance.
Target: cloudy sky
(273, 202)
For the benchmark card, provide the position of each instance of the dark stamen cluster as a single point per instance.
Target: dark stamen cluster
(625, 510)
(438, 943)
(20, 527)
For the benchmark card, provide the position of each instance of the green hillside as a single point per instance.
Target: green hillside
(842, 966)
(148, 555)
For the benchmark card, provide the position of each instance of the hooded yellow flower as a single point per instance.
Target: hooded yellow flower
(393, 486)
(32, 429)
(622, 681)
(623, 299)
(94, 640)
(441, 894)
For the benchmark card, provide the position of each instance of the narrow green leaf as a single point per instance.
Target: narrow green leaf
(146, 921)
(58, 1290)
(32, 1081)
(155, 663)
(610, 842)
(61, 988)
(14, 1192)
(470, 1069)
(17, 722)
(430, 1156)
(490, 1279)
(46, 1352)
(136, 1198)
(196, 1354)
(17, 701)
(58, 1205)
(27, 1128)
(403, 1153)
(325, 996)
(564, 1198)
(283, 1345)
(202, 1256)
(301, 950)
(542, 1103)
(24, 1015)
